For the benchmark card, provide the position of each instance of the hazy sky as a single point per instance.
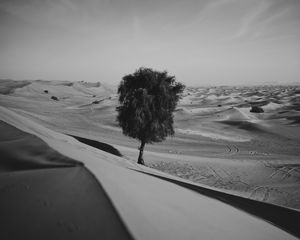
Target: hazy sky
(200, 42)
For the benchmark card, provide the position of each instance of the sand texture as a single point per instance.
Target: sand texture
(68, 162)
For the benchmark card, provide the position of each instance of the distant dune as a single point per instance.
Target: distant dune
(8, 86)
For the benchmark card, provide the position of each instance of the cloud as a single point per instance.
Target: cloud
(93, 37)
(266, 16)
(250, 20)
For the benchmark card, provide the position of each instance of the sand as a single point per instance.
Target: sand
(264, 167)
(42, 197)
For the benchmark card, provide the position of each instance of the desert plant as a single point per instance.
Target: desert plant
(256, 109)
(54, 98)
(147, 101)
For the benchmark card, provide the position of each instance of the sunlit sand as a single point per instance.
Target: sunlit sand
(221, 158)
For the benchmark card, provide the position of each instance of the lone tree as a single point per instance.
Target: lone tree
(147, 100)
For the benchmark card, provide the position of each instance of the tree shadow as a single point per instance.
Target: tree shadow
(99, 145)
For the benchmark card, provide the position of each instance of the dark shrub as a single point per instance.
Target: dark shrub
(147, 100)
(54, 98)
(256, 109)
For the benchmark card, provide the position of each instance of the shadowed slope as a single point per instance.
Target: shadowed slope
(246, 125)
(62, 203)
(55, 198)
(22, 151)
(9, 86)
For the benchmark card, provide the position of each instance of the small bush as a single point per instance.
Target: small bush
(54, 98)
(256, 109)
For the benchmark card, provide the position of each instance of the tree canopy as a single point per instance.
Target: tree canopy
(147, 100)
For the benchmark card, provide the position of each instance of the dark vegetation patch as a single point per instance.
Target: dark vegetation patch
(99, 145)
(97, 101)
(54, 98)
(256, 109)
(46, 91)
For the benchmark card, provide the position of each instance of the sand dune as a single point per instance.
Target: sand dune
(235, 114)
(46, 195)
(146, 204)
(20, 151)
(8, 86)
(269, 139)
(219, 145)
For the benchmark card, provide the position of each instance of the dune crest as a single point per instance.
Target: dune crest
(138, 197)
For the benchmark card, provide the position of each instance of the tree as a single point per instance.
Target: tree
(147, 101)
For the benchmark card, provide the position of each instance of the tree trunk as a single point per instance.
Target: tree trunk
(140, 159)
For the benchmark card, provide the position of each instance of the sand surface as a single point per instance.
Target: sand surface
(219, 145)
(42, 197)
(218, 141)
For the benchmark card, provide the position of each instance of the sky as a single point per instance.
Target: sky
(216, 42)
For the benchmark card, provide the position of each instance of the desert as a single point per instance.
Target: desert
(149, 120)
(222, 156)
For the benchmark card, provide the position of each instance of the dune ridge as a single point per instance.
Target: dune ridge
(146, 204)
(265, 168)
(255, 155)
